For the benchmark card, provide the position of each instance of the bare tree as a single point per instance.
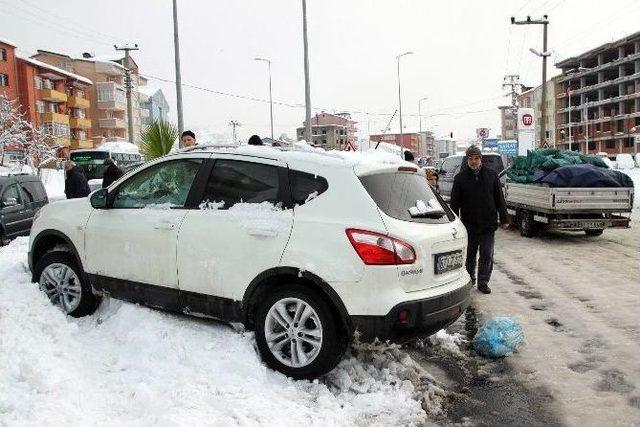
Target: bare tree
(15, 131)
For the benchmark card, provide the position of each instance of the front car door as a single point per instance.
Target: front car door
(240, 230)
(15, 215)
(135, 238)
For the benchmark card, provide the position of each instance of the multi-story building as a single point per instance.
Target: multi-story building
(109, 112)
(444, 147)
(508, 121)
(329, 137)
(8, 70)
(153, 105)
(57, 100)
(339, 119)
(603, 85)
(532, 98)
(409, 141)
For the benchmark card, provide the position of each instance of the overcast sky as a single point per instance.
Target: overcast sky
(462, 50)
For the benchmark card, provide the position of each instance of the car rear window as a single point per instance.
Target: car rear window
(396, 192)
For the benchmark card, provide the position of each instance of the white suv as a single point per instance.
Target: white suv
(302, 247)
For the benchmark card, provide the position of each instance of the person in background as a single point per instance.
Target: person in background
(477, 197)
(188, 139)
(255, 140)
(111, 173)
(432, 178)
(76, 185)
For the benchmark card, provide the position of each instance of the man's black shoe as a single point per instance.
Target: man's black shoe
(485, 289)
(473, 281)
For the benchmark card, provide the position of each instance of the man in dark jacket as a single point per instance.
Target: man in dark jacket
(76, 185)
(477, 197)
(111, 173)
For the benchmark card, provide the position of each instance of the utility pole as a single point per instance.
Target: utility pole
(400, 102)
(307, 86)
(586, 126)
(270, 97)
(512, 81)
(544, 54)
(234, 124)
(128, 84)
(176, 47)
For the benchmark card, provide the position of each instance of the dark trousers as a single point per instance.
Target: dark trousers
(483, 241)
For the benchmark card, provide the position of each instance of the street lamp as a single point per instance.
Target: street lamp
(270, 98)
(399, 94)
(420, 111)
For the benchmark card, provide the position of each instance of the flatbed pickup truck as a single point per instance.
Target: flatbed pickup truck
(536, 207)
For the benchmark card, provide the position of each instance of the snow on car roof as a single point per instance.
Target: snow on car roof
(301, 151)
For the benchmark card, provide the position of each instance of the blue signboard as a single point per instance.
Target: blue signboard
(509, 148)
(490, 143)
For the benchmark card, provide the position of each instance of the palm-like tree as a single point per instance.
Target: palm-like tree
(158, 139)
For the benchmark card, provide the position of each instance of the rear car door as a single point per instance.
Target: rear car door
(240, 229)
(449, 170)
(15, 216)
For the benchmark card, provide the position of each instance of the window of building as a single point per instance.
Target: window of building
(4, 80)
(40, 108)
(324, 141)
(611, 144)
(628, 142)
(48, 84)
(79, 93)
(598, 127)
(37, 82)
(56, 129)
(53, 107)
(592, 145)
(79, 113)
(3, 54)
(324, 131)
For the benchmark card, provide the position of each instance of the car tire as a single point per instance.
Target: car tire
(64, 282)
(528, 227)
(4, 240)
(593, 232)
(318, 339)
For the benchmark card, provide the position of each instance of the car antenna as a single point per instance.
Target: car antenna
(387, 128)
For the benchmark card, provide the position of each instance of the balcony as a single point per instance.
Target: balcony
(52, 95)
(78, 102)
(55, 118)
(119, 105)
(62, 141)
(79, 123)
(112, 123)
(80, 143)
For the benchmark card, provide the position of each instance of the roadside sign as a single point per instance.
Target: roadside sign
(509, 148)
(490, 143)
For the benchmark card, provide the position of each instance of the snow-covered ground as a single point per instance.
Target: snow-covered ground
(130, 365)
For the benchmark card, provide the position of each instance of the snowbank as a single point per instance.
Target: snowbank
(625, 161)
(53, 180)
(130, 365)
(635, 176)
(119, 147)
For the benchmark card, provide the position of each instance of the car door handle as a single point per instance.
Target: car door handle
(165, 225)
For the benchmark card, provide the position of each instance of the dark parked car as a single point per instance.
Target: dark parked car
(21, 196)
(454, 164)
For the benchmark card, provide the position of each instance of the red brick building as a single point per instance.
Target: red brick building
(8, 70)
(410, 141)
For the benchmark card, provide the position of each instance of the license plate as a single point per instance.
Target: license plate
(593, 224)
(448, 261)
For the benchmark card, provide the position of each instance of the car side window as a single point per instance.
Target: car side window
(306, 186)
(29, 196)
(11, 196)
(165, 184)
(234, 181)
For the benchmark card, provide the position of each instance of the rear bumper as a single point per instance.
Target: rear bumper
(613, 221)
(425, 317)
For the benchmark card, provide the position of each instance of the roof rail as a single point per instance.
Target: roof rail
(206, 147)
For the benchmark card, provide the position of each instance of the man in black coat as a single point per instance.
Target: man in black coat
(478, 199)
(76, 184)
(111, 173)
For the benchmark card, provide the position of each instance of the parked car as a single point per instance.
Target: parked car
(21, 197)
(301, 247)
(454, 164)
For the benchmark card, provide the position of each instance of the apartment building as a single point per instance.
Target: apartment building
(598, 98)
(153, 105)
(329, 137)
(410, 141)
(8, 69)
(342, 120)
(532, 98)
(109, 112)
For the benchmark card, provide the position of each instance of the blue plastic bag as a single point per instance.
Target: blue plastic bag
(498, 337)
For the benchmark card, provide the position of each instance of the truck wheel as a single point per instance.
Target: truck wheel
(297, 334)
(593, 232)
(528, 227)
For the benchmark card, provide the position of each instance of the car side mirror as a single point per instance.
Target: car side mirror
(99, 199)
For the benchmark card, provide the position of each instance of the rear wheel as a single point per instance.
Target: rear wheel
(528, 227)
(594, 232)
(297, 334)
(62, 279)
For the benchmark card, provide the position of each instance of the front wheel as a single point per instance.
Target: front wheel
(528, 227)
(297, 334)
(62, 279)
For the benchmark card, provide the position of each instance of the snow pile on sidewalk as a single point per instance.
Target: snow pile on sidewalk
(635, 176)
(53, 181)
(130, 365)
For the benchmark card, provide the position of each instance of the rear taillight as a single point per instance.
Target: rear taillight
(379, 249)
